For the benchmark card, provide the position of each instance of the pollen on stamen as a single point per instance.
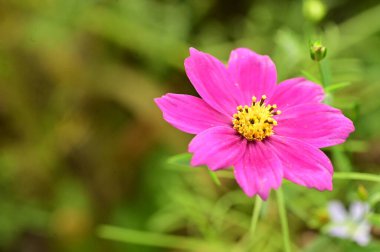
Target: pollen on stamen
(263, 98)
(272, 107)
(255, 122)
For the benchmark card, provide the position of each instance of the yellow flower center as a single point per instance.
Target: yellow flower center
(255, 122)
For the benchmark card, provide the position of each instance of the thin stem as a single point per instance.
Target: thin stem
(214, 177)
(357, 176)
(255, 215)
(284, 220)
(246, 243)
(337, 175)
(323, 75)
(150, 239)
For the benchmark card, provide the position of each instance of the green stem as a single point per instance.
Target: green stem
(357, 176)
(324, 71)
(246, 244)
(323, 78)
(337, 175)
(284, 220)
(150, 239)
(255, 215)
(214, 177)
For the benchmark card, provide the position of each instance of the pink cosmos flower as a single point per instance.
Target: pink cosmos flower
(266, 131)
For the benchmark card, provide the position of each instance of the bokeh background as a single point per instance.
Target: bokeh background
(82, 143)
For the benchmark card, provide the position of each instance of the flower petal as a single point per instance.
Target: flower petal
(217, 147)
(316, 124)
(358, 210)
(259, 170)
(189, 114)
(303, 163)
(362, 234)
(340, 231)
(254, 73)
(212, 81)
(296, 91)
(337, 212)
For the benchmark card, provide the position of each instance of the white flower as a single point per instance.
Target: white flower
(350, 224)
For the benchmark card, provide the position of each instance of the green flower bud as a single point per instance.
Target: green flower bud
(362, 193)
(317, 51)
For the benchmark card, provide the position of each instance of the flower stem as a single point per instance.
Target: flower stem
(255, 215)
(357, 176)
(284, 220)
(214, 177)
(150, 239)
(323, 74)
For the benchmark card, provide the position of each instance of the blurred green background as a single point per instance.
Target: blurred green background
(82, 143)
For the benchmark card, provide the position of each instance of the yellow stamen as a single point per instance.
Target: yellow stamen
(255, 122)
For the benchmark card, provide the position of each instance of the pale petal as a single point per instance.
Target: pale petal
(337, 212)
(340, 231)
(362, 234)
(255, 74)
(316, 124)
(190, 114)
(296, 91)
(358, 210)
(218, 147)
(212, 81)
(259, 170)
(303, 163)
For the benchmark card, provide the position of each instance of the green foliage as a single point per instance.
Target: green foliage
(82, 143)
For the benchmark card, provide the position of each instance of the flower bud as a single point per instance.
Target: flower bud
(317, 51)
(362, 193)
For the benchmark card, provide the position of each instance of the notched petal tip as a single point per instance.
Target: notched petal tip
(259, 171)
(193, 50)
(242, 52)
(255, 73)
(351, 126)
(212, 81)
(315, 123)
(158, 100)
(165, 100)
(327, 187)
(297, 91)
(264, 196)
(193, 55)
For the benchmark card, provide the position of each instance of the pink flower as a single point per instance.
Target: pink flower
(267, 132)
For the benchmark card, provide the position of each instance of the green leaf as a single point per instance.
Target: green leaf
(337, 86)
(180, 159)
(309, 76)
(214, 177)
(151, 239)
(184, 161)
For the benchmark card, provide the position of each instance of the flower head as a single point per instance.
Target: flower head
(243, 119)
(317, 51)
(351, 225)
